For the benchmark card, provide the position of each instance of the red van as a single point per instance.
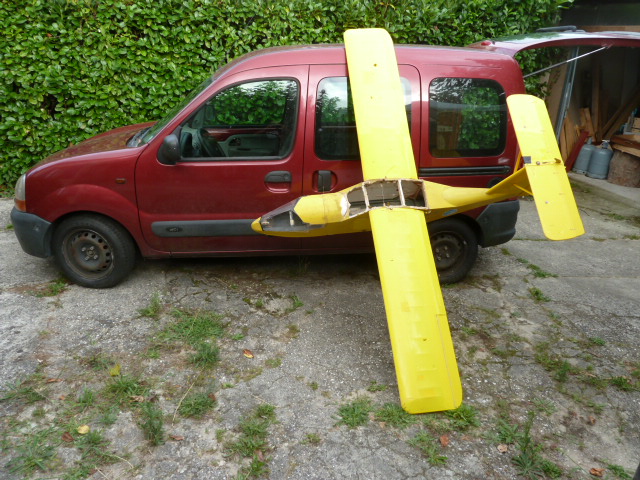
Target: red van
(267, 128)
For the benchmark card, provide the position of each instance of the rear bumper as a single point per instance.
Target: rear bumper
(33, 232)
(498, 223)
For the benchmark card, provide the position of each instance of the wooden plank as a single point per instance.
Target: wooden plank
(625, 149)
(627, 140)
(622, 113)
(585, 119)
(570, 135)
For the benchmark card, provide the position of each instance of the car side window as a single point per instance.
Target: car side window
(251, 119)
(467, 117)
(336, 136)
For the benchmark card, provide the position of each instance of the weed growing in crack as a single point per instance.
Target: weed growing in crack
(618, 471)
(51, 289)
(463, 418)
(24, 391)
(252, 442)
(296, 303)
(152, 423)
(293, 331)
(528, 461)
(394, 415)
(273, 362)
(36, 452)
(376, 387)
(553, 363)
(192, 328)
(429, 447)
(197, 405)
(356, 413)
(109, 416)
(312, 439)
(123, 387)
(543, 405)
(538, 296)
(93, 448)
(86, 399)
(623, 383)
(536, 270)
(154, 309)
(207, 355)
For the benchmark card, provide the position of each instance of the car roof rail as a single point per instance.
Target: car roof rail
(560, 28)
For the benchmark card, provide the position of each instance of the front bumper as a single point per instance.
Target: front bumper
(498, 223)
(33, 232)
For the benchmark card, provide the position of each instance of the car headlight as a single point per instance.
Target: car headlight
(20, 199)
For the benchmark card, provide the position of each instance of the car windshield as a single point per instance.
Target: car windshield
(158, 126)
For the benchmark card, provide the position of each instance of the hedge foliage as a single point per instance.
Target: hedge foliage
(73, 68)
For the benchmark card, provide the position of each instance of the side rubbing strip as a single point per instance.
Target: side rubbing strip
(204, 228)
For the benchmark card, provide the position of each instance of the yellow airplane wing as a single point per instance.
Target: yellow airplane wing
(425, 361)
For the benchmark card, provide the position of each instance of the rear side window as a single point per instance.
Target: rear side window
(468, 117)
(336, 136)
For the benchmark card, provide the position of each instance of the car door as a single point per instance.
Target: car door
(332, 157)
(241, 156)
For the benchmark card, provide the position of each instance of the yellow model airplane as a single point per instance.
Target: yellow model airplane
(396, 205)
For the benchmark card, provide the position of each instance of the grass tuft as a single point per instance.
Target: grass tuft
(207, 355)
(429, 447)
(152, 423)
(197, 405)
(463, 418)
(154, 308)
(356, 413)
(34, 453)
(193, 328)
(395, 416)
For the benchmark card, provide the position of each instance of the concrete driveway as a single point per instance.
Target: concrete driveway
(547, 336)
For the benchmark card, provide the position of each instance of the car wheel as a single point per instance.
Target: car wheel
(93, 251)
(455, 248)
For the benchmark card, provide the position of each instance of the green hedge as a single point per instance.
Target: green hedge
(73, 68)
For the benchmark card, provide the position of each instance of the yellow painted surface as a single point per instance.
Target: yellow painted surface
(426, 367)
(378, 101)
(546, 173)
(423, 352)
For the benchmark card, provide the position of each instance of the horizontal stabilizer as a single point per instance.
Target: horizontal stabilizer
(546, 173)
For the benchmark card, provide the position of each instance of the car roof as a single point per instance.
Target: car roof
(324, 54)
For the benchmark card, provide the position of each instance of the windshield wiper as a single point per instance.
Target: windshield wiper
(136, 139)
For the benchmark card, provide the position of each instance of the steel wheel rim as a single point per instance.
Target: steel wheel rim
(88, 253)
(448, 250)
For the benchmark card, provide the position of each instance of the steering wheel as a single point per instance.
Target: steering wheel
(209, 146)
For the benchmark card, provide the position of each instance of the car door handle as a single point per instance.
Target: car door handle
(324, 180)
(278, 176)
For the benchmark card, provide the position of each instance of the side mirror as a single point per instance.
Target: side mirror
(169, 152)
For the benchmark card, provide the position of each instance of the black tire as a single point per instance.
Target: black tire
(93, 251)
(455, 248)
